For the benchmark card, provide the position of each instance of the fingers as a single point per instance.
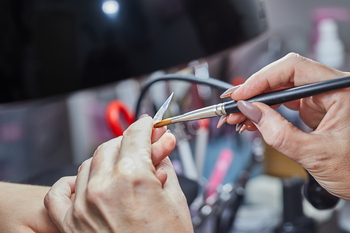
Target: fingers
(161, 176)
(57, 201)
(106, 155)
(292, 68)
(82, 177)
(171, 186)
(157, 133)
(293, 105)
(105, 158)
(235, 118)
(277, 131)
(163, 147)
(135, 150)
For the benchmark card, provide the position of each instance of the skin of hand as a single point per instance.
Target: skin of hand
(22, 209)
(324, 152)
(129, 185)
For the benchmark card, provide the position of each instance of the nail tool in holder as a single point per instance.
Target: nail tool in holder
(270, 98)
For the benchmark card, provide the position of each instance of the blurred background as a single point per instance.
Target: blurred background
(50, 47)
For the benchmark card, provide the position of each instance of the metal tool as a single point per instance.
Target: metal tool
(270, 98)
(159, 115)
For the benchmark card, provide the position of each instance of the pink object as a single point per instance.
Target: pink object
(219, 172)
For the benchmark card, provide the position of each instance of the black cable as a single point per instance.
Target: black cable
(188, 78)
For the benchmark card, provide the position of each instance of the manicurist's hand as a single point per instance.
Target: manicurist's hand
(128, 186)
(325, 152)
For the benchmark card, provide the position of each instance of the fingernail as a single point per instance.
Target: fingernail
(228, 92)
(222, 120)
(143, 115)
(168, 131)
(239, 126)
(159, 170)
(250, 111)
(244, 127)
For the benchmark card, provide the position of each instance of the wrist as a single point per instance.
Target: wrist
(22, 206)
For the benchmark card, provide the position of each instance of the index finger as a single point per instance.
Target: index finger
(291, 69)
(135, 149)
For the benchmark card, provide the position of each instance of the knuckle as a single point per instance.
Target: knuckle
(95, 193)
(99, 149)
(48, 200)
(79, 210)
(130, 131)
(137, 179)
(293, 55)
(84, 164)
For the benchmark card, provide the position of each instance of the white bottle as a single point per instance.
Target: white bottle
(329, 49)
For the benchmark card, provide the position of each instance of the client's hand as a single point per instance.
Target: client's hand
(325, 152)
(128, 186)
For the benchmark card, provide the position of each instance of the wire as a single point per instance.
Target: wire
(189, 78)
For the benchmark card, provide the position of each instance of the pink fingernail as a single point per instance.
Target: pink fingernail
(228, 92)
(239, 126)
(159, 170)
(222, 120)
(250, 111)
(143, 115)
(244, 127)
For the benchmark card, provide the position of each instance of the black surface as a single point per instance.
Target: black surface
(57, 46)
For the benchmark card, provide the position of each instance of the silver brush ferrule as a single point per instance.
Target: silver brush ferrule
(210, 111)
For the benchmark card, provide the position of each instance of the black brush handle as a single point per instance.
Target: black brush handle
(294, 93)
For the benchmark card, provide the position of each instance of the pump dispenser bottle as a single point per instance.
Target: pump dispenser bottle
(329, 49)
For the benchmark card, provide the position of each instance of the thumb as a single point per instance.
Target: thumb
(277, 131)
(58, 200)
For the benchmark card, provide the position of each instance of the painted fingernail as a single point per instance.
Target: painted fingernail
(143, 115)
(244, 127)
(228, 92)
(239, 126)
(222, 120)
(250, 110)
(160, 170)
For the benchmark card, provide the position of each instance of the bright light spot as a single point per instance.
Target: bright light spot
(110, 7)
